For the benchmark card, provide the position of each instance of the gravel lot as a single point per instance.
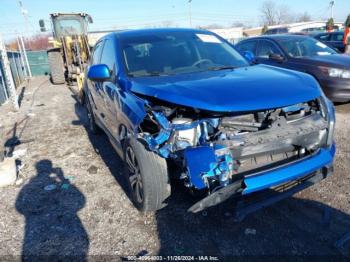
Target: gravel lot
(71, 200)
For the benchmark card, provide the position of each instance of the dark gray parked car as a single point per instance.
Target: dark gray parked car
(305, 54)
(333, 39)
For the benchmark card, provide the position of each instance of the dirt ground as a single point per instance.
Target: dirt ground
(70, 198)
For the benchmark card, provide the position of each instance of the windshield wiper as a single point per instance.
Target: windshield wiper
(154, 73)
(224, 67)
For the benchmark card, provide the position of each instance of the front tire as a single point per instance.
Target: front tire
(147, 176)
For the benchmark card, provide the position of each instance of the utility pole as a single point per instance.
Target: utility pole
(332, 5)
(23, 64)
(190, 11)
(8, 75)
(25, 56)
(24, 12)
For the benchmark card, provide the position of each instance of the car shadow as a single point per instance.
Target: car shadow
(49, 204)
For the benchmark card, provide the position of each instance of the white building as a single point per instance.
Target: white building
(312, 26)
(230, 34)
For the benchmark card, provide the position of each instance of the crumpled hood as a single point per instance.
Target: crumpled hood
(337, 60)
(244, 89)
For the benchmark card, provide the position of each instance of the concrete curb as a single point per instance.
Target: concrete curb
(8, 172)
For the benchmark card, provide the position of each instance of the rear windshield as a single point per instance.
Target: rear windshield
(305, 46)
(178, 52)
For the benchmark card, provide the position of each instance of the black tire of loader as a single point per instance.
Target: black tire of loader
(57, 67)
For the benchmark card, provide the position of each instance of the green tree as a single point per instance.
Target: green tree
(347, 22)
(330, 24)
(264, 29)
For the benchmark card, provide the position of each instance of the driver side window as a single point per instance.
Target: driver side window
(108, 55)
(97, 53)
(266, 48)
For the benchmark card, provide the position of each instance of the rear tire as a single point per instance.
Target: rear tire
(147, 176)
(57, 67)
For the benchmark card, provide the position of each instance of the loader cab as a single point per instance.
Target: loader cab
(70, 24)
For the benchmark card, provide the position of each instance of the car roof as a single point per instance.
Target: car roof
(277, 37)
(137, 32)
(330, 33)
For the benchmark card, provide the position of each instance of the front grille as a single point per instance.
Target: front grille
(267, 160)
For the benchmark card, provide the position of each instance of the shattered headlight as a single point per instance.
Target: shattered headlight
(335, 72)
(185, 137)
(178, 133)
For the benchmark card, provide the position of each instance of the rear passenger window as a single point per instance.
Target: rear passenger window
(337, 37)
(283, 30)
(247, 46)
(97, 53)
(266, 48)
(324, 37)
(271, 32)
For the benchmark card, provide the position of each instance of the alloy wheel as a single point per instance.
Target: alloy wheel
(135, 179)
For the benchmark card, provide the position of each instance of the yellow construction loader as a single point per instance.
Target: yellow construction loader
(70, 53)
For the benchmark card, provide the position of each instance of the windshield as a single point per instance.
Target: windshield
(178, 52)
(69, 26)
(305, 46)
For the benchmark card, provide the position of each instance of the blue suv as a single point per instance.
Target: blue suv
(184, 103)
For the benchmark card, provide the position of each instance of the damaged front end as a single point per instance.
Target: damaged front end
(224, 154)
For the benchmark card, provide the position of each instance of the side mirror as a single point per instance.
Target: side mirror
(249, 56)
(276, 57)
(99, 73)
(89, 18)
(42, 25)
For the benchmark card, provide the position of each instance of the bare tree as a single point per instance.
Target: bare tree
(283, 15)
(163, 24)
(268, 12)
(237, 24)
(35, 43)
(212, 26)
(272, 14)
(168, 23)
(304, 17)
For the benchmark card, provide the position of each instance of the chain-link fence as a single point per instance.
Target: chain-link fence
(38, 64)
(3, 89)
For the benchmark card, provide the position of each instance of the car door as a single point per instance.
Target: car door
(323, 37)
(294, 61)
(247, 45)
(109, 88)
(328, 39)
(336, 41)
(267, 48)
(95, 90)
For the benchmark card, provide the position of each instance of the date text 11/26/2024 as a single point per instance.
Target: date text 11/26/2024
(172, 258)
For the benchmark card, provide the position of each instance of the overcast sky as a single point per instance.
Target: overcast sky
(109, 14)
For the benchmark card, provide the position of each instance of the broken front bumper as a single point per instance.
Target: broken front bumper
(290, 172)
(302, 172)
